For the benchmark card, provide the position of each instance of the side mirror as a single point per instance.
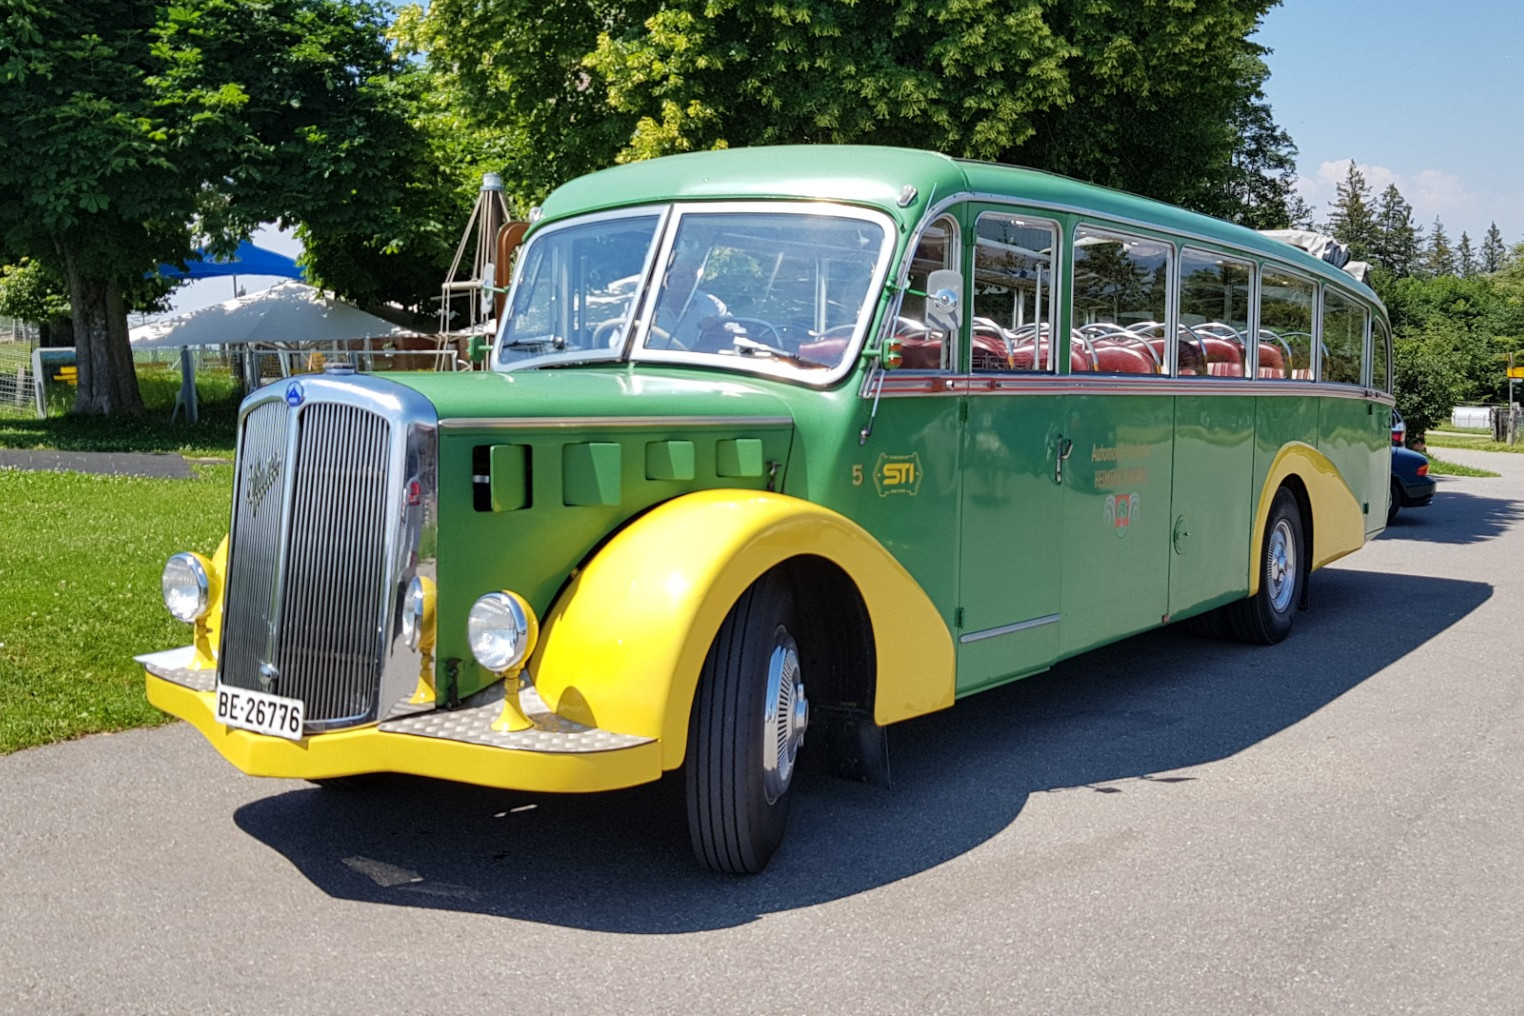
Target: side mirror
(944, 300)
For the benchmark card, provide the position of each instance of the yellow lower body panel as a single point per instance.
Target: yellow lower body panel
(374, 750)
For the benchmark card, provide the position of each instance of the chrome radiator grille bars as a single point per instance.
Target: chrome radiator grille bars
(335, 486)
(258, 495)
(333, 602)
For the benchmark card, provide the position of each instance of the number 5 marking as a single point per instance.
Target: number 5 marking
(857, 476)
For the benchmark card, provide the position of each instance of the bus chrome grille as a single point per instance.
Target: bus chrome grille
(305, 610)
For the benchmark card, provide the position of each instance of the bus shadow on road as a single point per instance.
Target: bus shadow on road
(1456, 518)
(620, 862)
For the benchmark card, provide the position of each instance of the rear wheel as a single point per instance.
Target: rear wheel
(1266, 617)
(1395, 505)
(748, 722)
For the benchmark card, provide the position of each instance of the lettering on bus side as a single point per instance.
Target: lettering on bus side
(897, 474)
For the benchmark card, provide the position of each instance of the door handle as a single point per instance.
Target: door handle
(1062, 447)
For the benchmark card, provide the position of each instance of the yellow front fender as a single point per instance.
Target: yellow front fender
(623, 646)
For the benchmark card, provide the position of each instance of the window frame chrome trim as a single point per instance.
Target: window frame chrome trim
(635, 344)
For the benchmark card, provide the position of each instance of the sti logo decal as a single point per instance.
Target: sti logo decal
(897, 474)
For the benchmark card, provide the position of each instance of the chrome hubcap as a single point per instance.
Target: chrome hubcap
(785, 718)
(1281, 566)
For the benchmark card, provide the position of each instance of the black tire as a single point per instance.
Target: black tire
(737, 804)
(1395, 505)
(1265, 618)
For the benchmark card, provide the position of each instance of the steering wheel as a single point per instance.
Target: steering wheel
(605, 331)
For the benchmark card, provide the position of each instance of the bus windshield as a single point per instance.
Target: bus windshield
(783, 290)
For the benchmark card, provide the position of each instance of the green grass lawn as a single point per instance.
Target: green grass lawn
(79, 593)
(1481, 442)
(1444, 467)
(212, 436)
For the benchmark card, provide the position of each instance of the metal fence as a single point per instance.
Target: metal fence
(217, 370)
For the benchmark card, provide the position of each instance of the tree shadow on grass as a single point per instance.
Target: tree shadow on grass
(620, 862)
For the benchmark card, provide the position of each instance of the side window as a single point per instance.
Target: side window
(1121, 297)
(1381, 347)
(1011, 323)
(922, 347)
(1285, 325)
(1213, 337)
(1343, 338)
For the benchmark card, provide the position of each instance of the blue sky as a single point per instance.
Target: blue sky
(1421, 94)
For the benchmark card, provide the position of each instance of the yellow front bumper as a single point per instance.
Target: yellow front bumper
(390, 748)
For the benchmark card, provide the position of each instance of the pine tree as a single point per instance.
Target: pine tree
(1494, 254)
(1351, 222)
(1397, 247)
(1439, 257)
(1465, 259)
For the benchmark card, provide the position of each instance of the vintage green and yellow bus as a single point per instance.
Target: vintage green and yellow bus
(781, 440)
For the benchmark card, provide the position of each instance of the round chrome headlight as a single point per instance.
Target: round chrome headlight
(501, 630)
(417, 611)
(187, 589)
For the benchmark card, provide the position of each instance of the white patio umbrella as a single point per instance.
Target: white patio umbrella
(289, 312)
(288, 315)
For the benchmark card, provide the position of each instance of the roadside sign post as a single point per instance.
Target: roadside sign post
(1514, 373)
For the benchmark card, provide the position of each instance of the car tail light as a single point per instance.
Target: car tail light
(1423, 470)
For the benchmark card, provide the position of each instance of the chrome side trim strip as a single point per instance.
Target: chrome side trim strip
(1008, 629)
(1073, 384)
(608, 422)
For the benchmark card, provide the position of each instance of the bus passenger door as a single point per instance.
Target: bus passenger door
(1011, 575)
(1117, 520)
(1010, 559)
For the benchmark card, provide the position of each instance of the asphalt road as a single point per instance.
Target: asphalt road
(1172, 825)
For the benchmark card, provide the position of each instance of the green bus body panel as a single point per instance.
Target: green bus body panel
(1151, 520)
(577, 418)
(1117, 484)
(1212, 509)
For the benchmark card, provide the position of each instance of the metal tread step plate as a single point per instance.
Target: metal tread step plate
(171, 666)
(472, 724)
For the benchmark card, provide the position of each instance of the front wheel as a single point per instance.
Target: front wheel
(748, 722)
(1395, 504)
(1266, 617)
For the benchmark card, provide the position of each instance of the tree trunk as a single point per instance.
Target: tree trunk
(108, 383)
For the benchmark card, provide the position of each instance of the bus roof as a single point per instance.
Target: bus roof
(878, 177)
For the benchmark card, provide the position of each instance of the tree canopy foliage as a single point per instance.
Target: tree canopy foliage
(1156, 97)
(138, 129)
(133, 126)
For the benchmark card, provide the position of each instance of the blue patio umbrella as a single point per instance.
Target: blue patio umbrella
(248, 259)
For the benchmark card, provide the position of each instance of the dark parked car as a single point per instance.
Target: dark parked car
(1412, 486)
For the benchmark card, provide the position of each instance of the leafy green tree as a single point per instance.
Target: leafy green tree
(1494, 254)
(1428, 384)
(135, 127)
(1260, 190)
(1149, 96)
(1472, 322)
(29, 291)
(1439, 256)
(1397, 239)
(1352, 222)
